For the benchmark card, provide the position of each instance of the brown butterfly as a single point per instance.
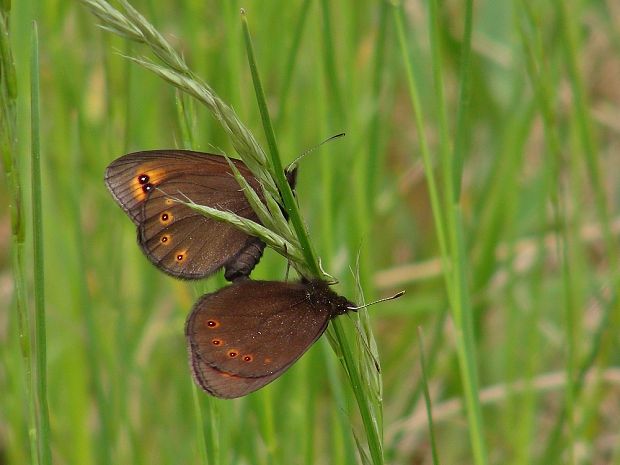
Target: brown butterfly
(247, 334)
(175, 238)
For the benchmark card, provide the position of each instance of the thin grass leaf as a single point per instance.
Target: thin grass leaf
(40, 345)
(9, 147)
(450, 234)
(255, 202)
(427, 399)
(311, 262)
(372, 425)
(207, 443)
(360, 447)
(279, 244)
(291, 60)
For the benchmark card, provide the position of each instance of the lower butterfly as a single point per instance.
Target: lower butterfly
(244, 336)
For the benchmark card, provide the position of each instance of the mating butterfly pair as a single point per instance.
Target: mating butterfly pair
(246, 334)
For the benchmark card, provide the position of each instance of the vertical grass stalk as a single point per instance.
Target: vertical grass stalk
(427, 398)
(452, 245)
(274, 157)
(40, 372)
(9, 148)
(363, 397)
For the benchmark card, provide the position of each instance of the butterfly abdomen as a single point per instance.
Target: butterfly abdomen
(245, 261)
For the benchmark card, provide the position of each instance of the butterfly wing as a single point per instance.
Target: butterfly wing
(175, 238)
(247, 334)
(224, 385)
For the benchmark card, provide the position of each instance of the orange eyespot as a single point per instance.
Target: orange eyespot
(248, 358)
(217, 342)
(166, 217)
(145, 180)
(165, 238)
(180, 256)
(232, 353)
(212, 324)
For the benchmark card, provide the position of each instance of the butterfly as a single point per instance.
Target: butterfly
(245, 335)
(175, 238)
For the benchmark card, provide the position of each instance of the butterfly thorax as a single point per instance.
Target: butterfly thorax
(323, 297)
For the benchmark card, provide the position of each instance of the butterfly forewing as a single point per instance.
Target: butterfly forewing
(177, 239)
(255, 328)
(159, 166)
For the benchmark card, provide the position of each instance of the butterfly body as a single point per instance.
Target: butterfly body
(247, 334)
(175, 238)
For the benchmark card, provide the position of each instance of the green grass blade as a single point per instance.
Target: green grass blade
(329, 62)
(276, 164)
(291, 60)
(40, 378)
(452, 244)
(436, 204)
(427, 399)
(9, 147)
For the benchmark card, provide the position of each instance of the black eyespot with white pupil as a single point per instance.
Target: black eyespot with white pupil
(143, 180)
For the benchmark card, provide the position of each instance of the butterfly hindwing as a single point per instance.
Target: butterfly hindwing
(224, 385)
(181, 241)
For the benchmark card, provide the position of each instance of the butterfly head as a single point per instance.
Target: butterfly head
(323, 296)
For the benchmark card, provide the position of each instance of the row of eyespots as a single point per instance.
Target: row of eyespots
(164, 239)
(166, 217)
(232, 353)
(143, 180)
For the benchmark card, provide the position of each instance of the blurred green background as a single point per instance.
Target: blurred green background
(536, 137)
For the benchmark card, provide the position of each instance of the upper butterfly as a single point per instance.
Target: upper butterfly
(175, 238)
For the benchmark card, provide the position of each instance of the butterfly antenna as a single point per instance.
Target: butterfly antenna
(395, 296)
(292, 165)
